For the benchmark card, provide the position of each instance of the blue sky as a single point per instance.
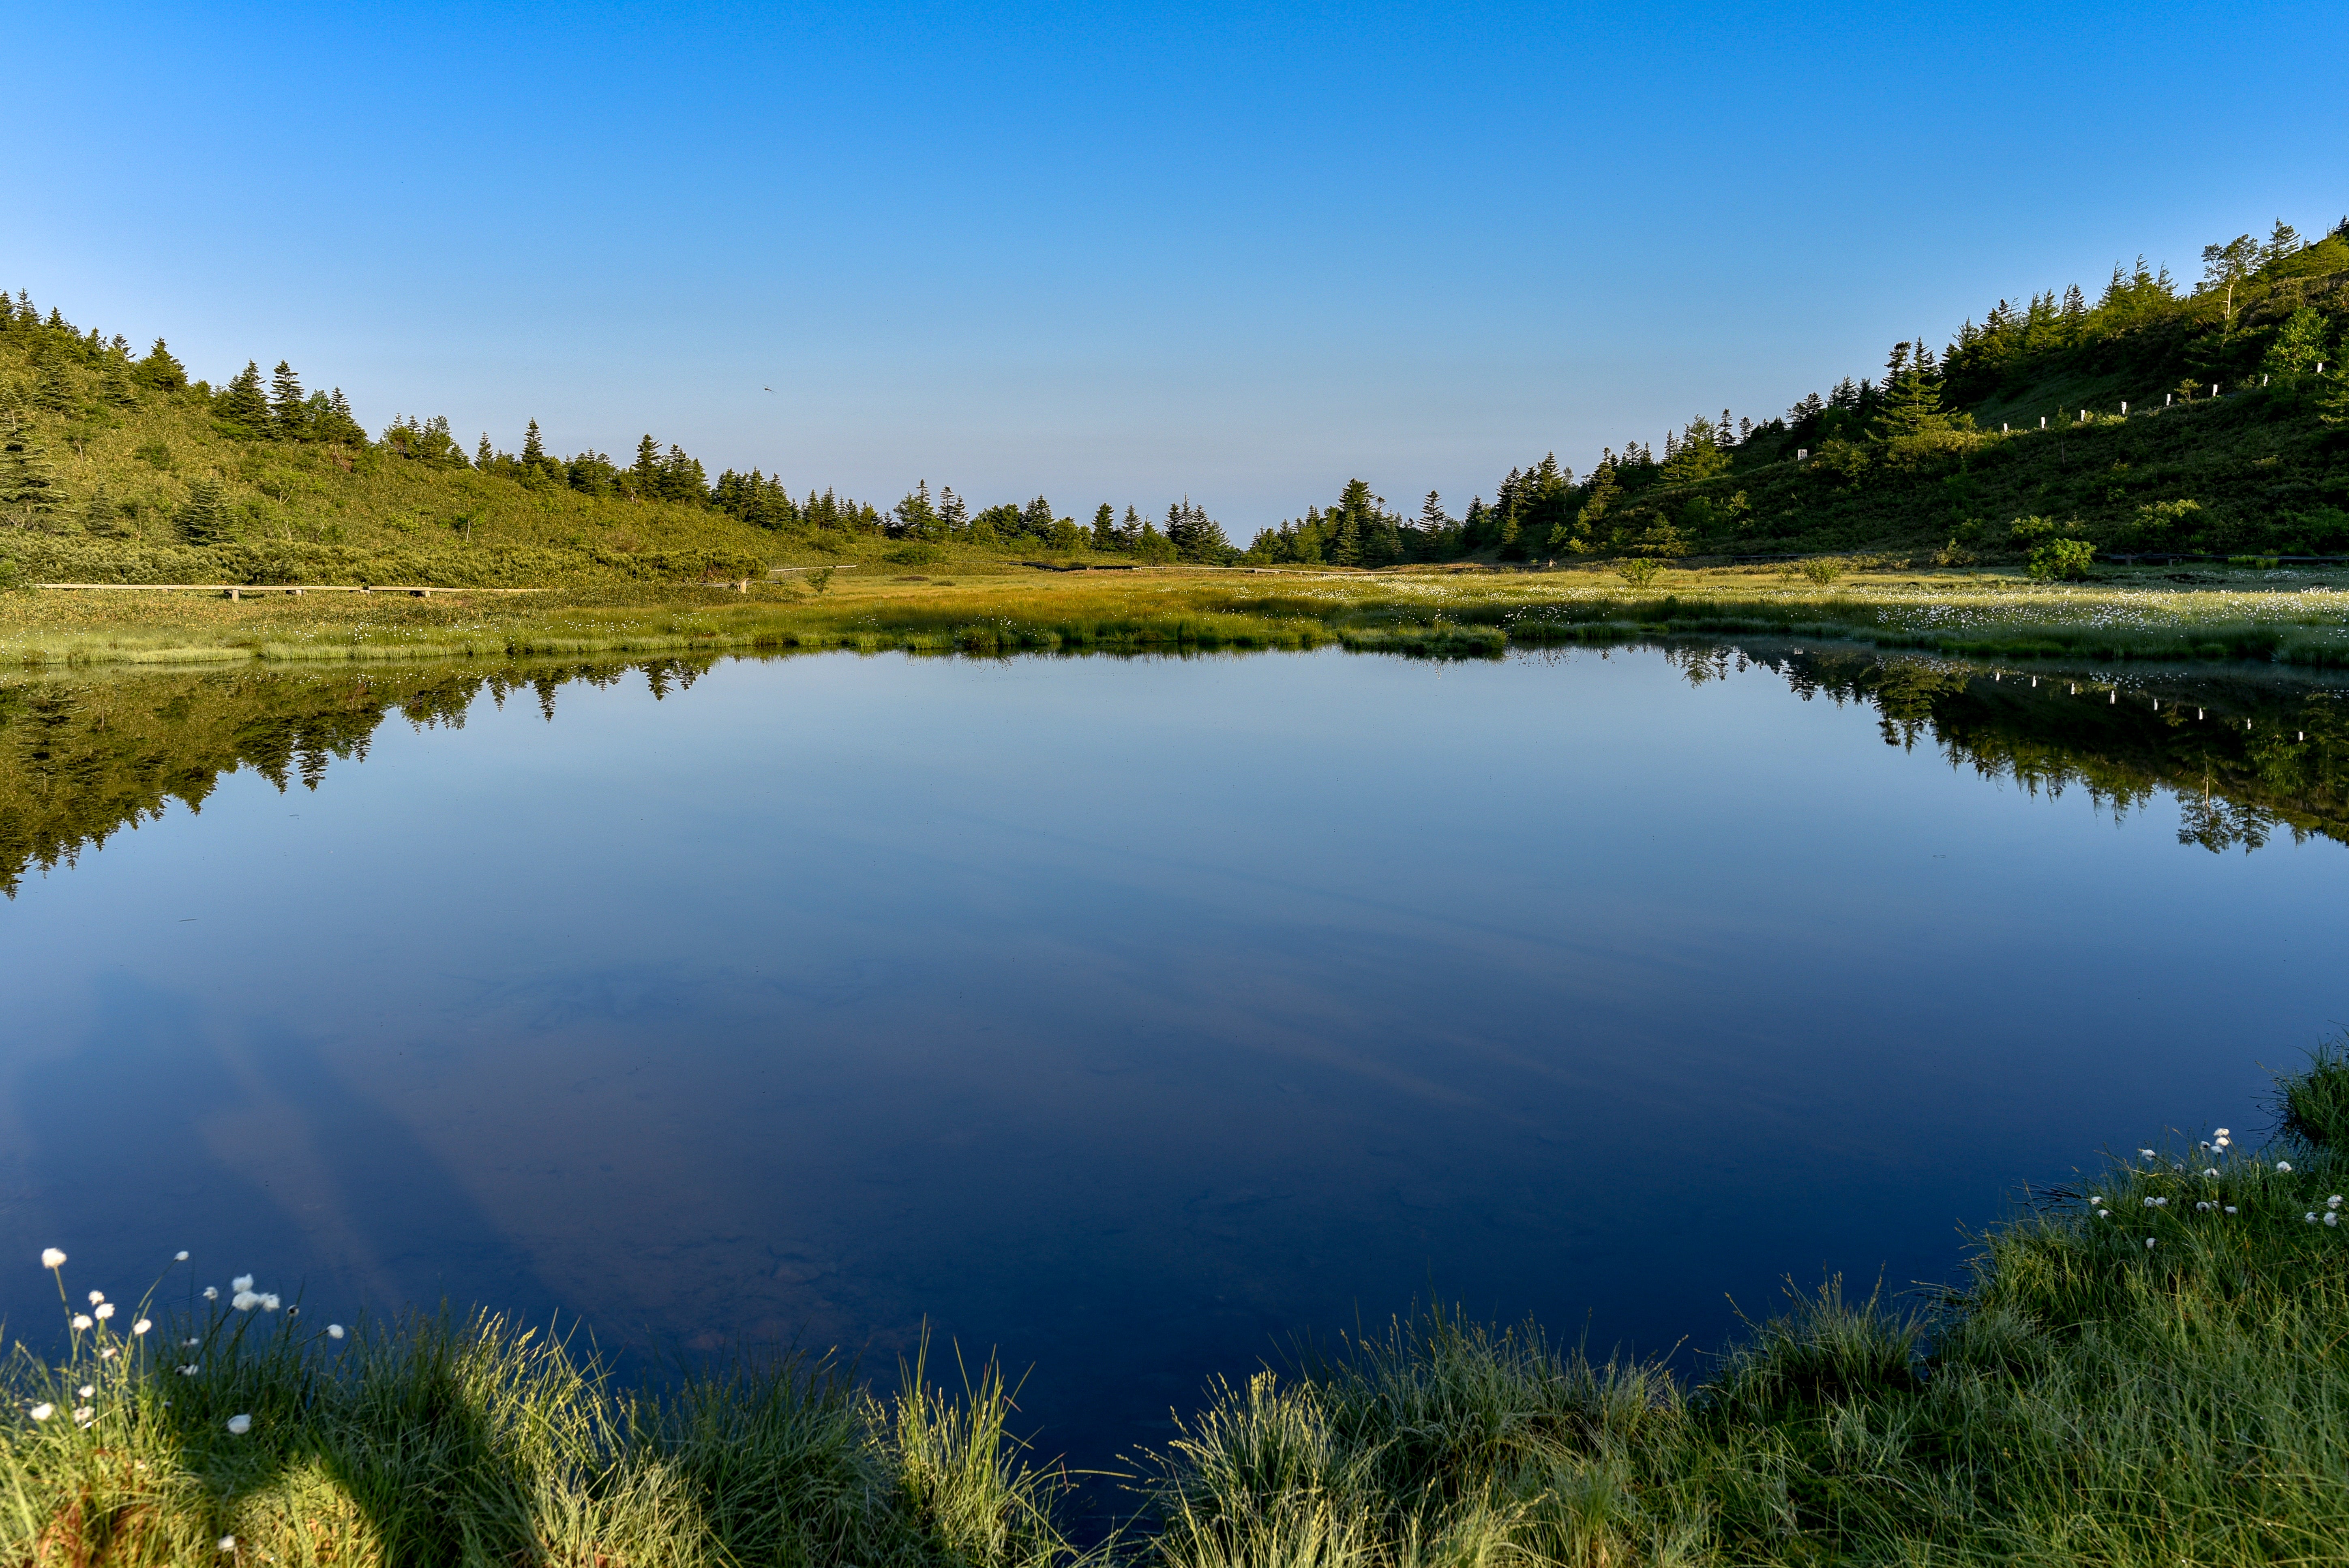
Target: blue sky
(1127, 253)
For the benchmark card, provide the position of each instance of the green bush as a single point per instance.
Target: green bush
(2062, 559)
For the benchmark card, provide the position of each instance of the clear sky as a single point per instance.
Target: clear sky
(1126, 253)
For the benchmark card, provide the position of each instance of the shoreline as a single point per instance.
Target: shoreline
(2285, 617)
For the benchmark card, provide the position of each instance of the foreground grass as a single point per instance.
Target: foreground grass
(2297, 617)
(2148, 1369)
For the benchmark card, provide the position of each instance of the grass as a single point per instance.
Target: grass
(2275, 616)
(2144, 1369)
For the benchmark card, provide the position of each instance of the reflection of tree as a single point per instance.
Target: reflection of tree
(79, 760)
(2252, 757)
(2219, 824)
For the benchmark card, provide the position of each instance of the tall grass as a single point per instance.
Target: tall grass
(2147, 1367)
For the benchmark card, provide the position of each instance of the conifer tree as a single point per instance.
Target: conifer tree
(203, 519)
(100, 516)
(534, 450)
(1036, 518)
(345, 425)
(482, 457)
(1106, 527)
(28, 489)
(287, 412)
(954, 513)
(243, 408)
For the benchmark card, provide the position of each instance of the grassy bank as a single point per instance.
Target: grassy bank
(2294, 616)
(2146, 1369)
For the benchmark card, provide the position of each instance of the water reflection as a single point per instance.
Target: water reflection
(2245, 753)
(1130, 1015)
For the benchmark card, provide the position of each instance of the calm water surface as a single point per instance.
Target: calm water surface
(1133, 1017)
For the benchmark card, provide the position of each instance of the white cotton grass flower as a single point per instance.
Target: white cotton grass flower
(2201, 1208)
(2285, 1166)
(242, 1282)
(269, 1302)
(2148, 1243)
(87, 1390)
(333, 1331)
(2219, 1133)
(108, 1354)
(42, 1412)
(80, 1321)
(2146, 1152)
(191, 1340)
(2104, 1214)
(51, 1258)
(2212, 1173)
(2333, 1217)
(238, 1425)
(105, 1310)
(143, 1326)
(2230, 1208)
(2334, 1202)
(96, 1296)
(245, 1301)
(188, 1371)
(2310, 1218)
(228, 1542)
(179, 1257)
(211, 1292)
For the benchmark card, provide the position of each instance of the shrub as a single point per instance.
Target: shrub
(2061, 559)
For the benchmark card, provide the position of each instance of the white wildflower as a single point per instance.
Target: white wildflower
(242, 1282)
(106, 1354)
(2331, 1217)
(2148, 1243)
(2230, 1208)
(228, 1542)
(269, 1303)
(105, 1310)
(2201, 1208)
(179, 1257)
(96, 1296)
(143, 1326)
(188, 1371)
(211, 1292)
(2334, 1202)
(83, 1417)
(2311, 1217)
(245, 1301)
(238, 1425)
(51, 1258)
(2222, 1132)
(191, 1340)
(2146, 1152)
(80, 1321)
(2212, 1174)
(333, 1331)
(2148, 1202)
(86, 1390)
(43, 1412)
(2285, 1166)
(2104, 1214)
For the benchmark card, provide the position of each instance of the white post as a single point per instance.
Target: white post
(2169, 401)
(2214, 389)
(2042, 421)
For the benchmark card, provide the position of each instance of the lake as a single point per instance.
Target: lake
(1131, 1017)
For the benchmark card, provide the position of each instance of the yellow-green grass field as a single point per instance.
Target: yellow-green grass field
(987, 604)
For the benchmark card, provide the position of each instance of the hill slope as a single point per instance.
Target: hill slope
(2214, 420)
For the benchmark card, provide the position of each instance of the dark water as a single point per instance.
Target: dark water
(1133, 1017)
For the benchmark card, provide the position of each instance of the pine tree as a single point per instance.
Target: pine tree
(1035, 519)
(286, 409)
(345, 425)
(28, 489)
(1106, 527)
(203, 519)
(534, 450)
(100, 516)
(482, 457)
(243, 408)
(954, 513)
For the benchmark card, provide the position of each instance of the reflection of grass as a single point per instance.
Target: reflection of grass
(2247, 615)
(2148, 1369)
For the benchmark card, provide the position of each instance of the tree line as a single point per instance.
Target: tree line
(2266, 314)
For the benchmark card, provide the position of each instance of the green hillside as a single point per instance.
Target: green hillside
(2212, 420)
(2235, 441)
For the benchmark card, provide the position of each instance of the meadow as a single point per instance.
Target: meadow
(984, 605)
(2142, 1366)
